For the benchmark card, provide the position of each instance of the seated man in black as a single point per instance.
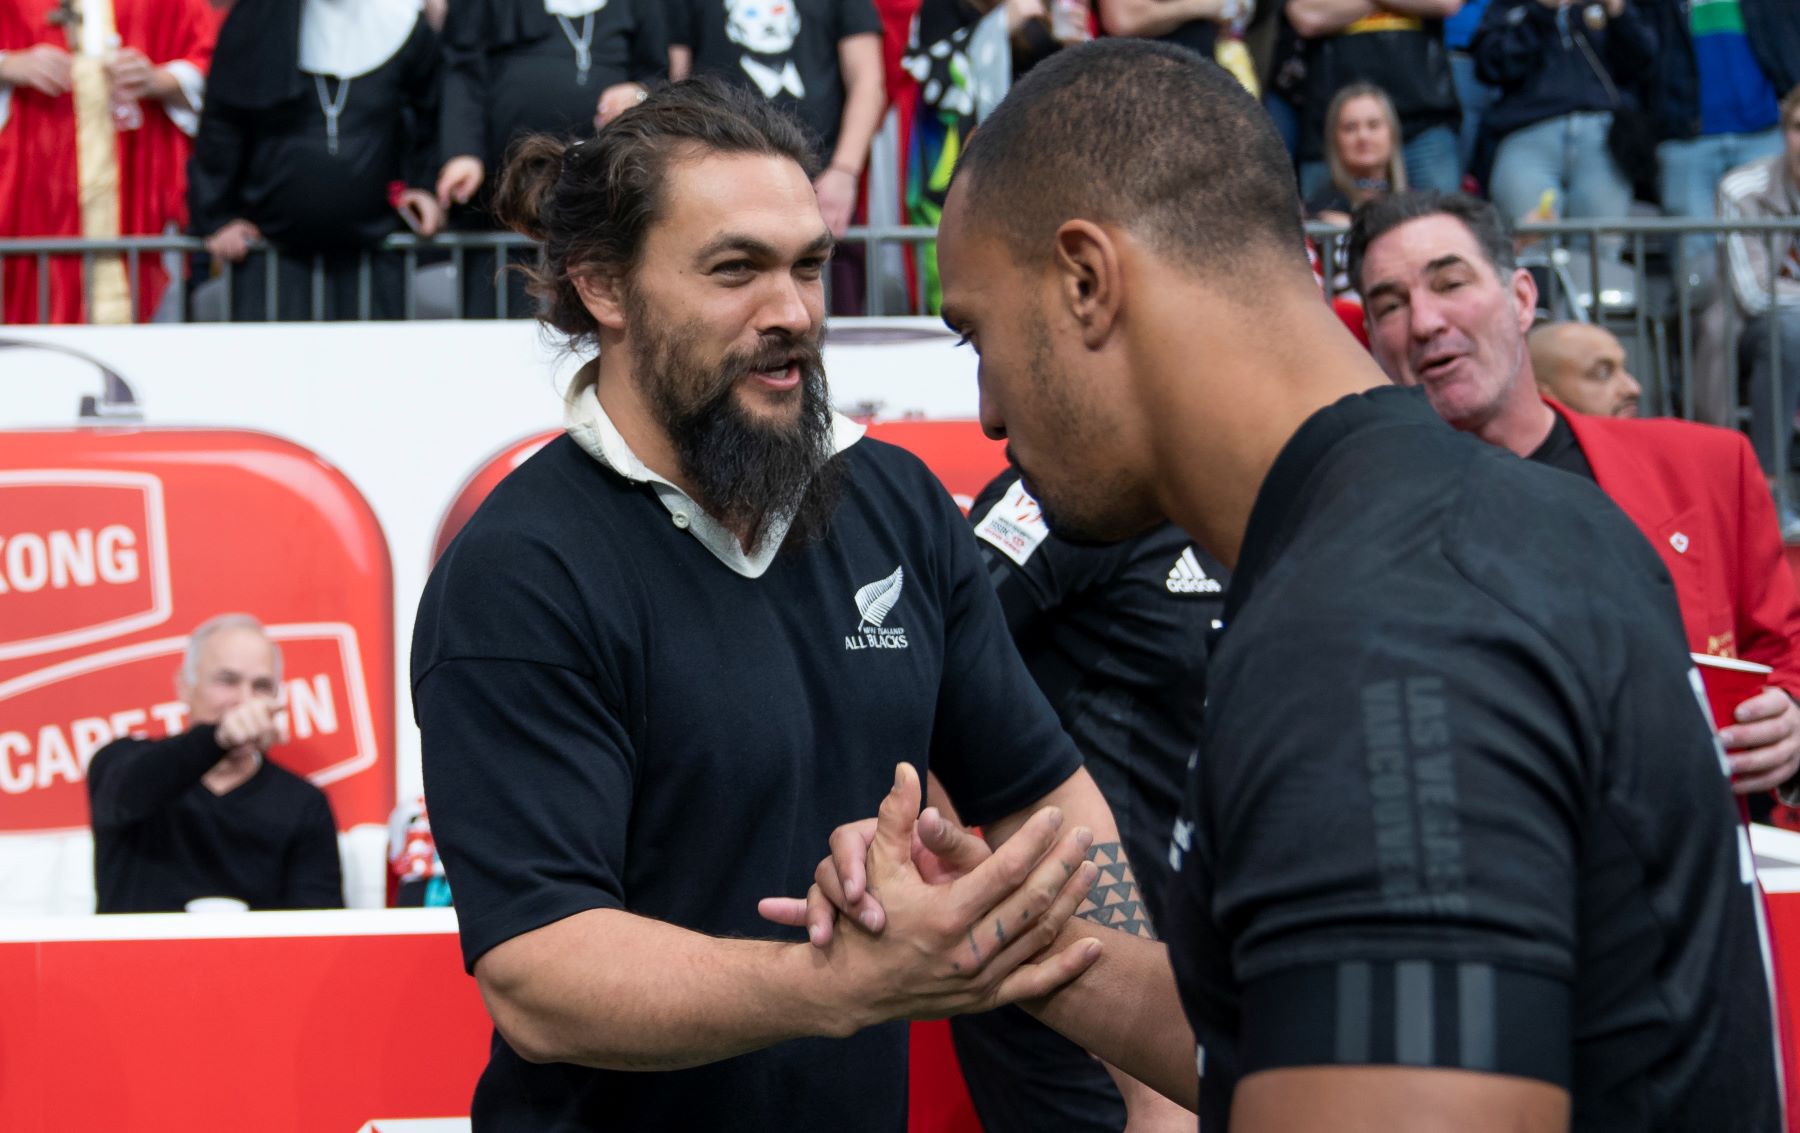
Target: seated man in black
(204, 813)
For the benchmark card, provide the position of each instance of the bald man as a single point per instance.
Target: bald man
(1583, 366)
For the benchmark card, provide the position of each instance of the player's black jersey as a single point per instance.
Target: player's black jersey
(1456, 803)
(1116, 638)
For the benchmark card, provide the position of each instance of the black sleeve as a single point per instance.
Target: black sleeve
(1510, 44)
(217, 168)
(1630, 45)
(529, 763)
(462, 122)
(856, 17)
(1032, 571)
(129, 780)
(1393, 814)
(423, 85)
(649, 61)
(996, 744)
(940, 19)
(535, 751)
(314, 873)
(679, 22)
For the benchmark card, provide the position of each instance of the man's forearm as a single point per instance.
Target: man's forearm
(1314, 18)
(864, 101)
(1149, 18)
(1126, 1010)
(130, 780)
(1423, 9)
(609, 989)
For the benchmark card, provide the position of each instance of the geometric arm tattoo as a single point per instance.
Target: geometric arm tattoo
(1113, 902)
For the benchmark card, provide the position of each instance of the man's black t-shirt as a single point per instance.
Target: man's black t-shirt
(161, 838)
(1458, 806)
(1116, 637)
(787, 51)
(613, 719)
(1560, 450)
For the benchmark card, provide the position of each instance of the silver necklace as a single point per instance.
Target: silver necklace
(583, 45)
(333, 108)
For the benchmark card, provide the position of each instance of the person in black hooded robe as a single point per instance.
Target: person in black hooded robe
(517, 67)
(319, 138)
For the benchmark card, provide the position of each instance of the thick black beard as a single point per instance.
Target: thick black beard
(746, 472)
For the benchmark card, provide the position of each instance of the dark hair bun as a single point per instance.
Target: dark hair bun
(527, 181)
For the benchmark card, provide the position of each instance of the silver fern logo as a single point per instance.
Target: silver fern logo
(874, 603)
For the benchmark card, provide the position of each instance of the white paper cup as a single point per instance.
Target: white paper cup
(217, 905)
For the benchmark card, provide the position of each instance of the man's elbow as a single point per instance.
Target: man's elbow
(1125, 18)
(522, 1028)
(1309, 20)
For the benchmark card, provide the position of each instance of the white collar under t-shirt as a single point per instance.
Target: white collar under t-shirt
(588, 426)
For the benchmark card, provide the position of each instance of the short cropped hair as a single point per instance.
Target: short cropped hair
(196, 642)
(1142, 135)
(1382, 215)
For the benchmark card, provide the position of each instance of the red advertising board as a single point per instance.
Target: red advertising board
(116, 542)
(482, 481)
(957, 451)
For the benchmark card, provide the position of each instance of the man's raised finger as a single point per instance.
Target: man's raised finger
(958, 849)
(895, 821)
(849, 855)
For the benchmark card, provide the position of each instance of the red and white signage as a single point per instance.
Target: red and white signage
(957, 451)
(84, 557)
(115, 543)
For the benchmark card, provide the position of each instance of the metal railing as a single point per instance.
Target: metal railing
(1641, 287)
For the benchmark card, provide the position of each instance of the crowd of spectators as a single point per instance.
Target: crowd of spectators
(326, 127)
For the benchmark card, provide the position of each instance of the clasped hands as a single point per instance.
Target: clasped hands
(935, 923)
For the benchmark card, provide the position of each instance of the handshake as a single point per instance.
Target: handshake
(927, 921)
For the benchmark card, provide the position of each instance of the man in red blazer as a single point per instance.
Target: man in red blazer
(1448, 310)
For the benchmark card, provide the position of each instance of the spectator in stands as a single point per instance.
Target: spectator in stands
(1721, 65)
(819, 58)
(1448, 310)
(1036, 29)
(1562, 70)
(322, 143)
(517, 67)
(1583, 366)
(1116, 637)
(205, 813)
(1766, 289)
(1399, 47)
(1474, 95)
(415, 868)
(1362, 152)
(123, 84)
(1193, 24)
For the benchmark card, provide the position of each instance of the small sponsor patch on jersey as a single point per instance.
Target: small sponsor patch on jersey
(1015, 525)
(1187, 576)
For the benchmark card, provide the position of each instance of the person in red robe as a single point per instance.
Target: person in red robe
(119, 83)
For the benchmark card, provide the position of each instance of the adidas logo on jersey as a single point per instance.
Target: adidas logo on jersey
(1187, 576)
